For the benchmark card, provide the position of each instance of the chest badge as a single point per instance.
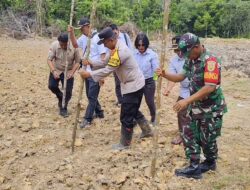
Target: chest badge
(114, 60)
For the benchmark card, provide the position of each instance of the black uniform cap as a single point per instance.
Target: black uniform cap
(106, 33)
(83, 22)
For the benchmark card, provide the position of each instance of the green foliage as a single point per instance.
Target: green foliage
(235, 20)
(5, 4)
(18, 5)
(148, 14)
(224, 18)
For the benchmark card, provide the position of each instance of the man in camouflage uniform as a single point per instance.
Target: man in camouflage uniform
(206, 105)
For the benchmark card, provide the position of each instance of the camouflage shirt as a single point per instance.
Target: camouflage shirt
(206, 70)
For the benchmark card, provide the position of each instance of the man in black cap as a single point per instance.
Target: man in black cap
(57, 61)
(122, 62)
(95, 61)
(126, 39)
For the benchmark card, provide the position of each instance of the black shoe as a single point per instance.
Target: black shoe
(208, 165)
(99, 115)
(64, 112)
(85, 124)
(192, 171)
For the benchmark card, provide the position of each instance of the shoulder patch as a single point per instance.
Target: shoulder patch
(212, 71)
(114, 60)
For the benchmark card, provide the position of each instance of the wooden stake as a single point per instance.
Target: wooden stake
(82, 80)
(67, 64)
(159, 82)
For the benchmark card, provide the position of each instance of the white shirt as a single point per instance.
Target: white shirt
(95, 49)
(176, 67)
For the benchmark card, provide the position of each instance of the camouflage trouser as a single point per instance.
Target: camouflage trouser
(182, 117)
(202, 133)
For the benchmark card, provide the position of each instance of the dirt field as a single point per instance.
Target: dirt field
(35, 151)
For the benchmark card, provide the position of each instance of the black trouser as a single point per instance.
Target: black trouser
(118, 89)
(149, 93)
(92, 92)
(53, 86)
(130, 109)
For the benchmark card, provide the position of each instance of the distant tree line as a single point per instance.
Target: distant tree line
(223, 18)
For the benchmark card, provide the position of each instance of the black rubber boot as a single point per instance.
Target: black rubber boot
(145, 128)
(192, 171)
(59, 102)
(208, 165)
(64, 111)
(125, 140)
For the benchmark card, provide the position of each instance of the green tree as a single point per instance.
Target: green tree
(224, 18)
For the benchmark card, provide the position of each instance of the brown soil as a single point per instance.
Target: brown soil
(35, 141)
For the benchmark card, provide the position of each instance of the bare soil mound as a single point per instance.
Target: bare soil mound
(35, 141)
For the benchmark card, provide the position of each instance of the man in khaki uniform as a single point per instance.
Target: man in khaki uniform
(126, 39)
(121, 61)
(57, 61)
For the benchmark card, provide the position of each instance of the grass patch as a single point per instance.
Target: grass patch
(231, 181)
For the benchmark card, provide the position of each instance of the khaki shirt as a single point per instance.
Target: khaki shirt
(125, 66)
(58, 55)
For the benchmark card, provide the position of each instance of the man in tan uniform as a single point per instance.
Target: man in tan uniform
(121, 61)
(57, 60)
